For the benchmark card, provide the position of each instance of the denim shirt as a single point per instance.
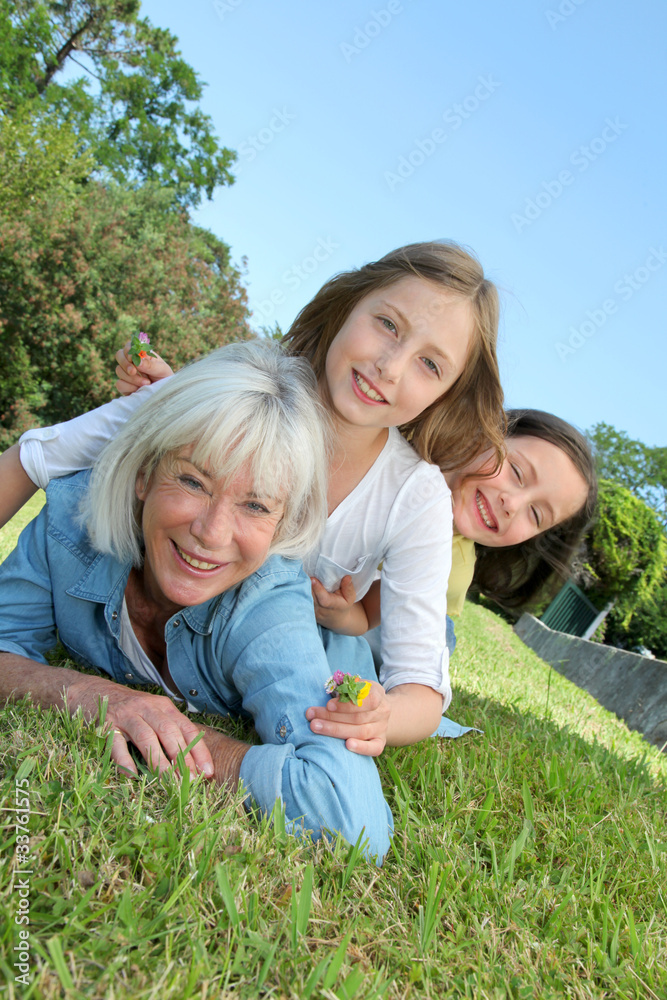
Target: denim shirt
(254, 651)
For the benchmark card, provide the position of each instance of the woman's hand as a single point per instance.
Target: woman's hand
(363, 727)
(150, 721)
(131, 378)
(339, 610)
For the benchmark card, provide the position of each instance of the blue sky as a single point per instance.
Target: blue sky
(533, 132)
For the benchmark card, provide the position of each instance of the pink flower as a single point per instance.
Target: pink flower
(144, 338)
(338, 677)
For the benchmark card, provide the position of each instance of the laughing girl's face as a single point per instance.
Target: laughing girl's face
(537, 487)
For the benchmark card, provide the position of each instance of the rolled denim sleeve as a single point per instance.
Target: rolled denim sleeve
(279, 666)
(27, 616)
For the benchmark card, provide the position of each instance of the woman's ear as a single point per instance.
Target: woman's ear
(140, 485)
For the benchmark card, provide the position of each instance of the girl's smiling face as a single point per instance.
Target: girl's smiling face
(537, 487)
(399, 350)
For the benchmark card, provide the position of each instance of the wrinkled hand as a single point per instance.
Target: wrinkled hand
(150, 721)
(363, 727)
(339, 610)
(131, 378)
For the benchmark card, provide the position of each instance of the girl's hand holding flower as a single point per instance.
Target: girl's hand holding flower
(362, 726)
(138, 365)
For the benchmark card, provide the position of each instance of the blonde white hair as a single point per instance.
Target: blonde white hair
(246, 406)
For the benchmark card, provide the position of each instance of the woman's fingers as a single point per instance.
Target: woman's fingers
(176, 736)
(158, 730)
(120, 754)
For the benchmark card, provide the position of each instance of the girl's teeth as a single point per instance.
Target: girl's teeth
(483, 511)
(366, 389)
(196, 563)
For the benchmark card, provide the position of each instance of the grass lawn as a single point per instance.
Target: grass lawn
(527, 862)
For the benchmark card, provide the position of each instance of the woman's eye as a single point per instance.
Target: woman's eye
(190, 482)
(517, 472)
(536, 515)
(256, 508)
(387, 323)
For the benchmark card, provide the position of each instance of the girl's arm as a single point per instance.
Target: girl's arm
(49, 452)
(46, 453)
(415, 661)
(17, 487)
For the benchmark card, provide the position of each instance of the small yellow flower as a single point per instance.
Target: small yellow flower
(364, 692)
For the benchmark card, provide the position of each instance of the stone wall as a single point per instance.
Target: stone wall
(632, 686)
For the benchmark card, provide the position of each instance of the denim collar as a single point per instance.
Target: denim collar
(104, 582)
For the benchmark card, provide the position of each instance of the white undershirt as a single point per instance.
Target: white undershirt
(143, 665)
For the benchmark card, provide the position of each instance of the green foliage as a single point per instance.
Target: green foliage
(627, 553)
(140, 120)
(649, 623)
(79, 279)
(641, 469)
(38, 158)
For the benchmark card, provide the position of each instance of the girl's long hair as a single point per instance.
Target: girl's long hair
(469, 418)
(524, 574)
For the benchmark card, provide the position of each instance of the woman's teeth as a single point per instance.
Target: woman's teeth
(481, 507)
(195, 563)
(367, 390)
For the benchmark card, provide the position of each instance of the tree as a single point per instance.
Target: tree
(627, 559)
(638, 467)
(39, 157)
(141, 121)
(77, 280)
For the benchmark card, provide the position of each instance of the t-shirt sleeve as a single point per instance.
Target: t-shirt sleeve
(463, 570)
(50, 452)
(414, 579)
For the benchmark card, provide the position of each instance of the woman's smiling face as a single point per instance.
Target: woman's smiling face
(399, 350)
(537, 487)
(202, 536)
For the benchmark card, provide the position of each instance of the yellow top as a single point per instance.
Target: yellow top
(460, 578)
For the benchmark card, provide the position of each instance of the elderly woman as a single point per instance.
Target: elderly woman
(175, 564)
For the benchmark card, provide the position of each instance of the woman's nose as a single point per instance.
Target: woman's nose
(213, 526)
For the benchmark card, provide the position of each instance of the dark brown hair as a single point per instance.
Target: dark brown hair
(468, 419)
(522, 574)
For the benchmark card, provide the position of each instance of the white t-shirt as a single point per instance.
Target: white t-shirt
(399, 515)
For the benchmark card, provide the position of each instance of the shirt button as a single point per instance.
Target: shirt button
(114, 615)
(194, 692)
(129, 676)
(177, 622)
(283, 732)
